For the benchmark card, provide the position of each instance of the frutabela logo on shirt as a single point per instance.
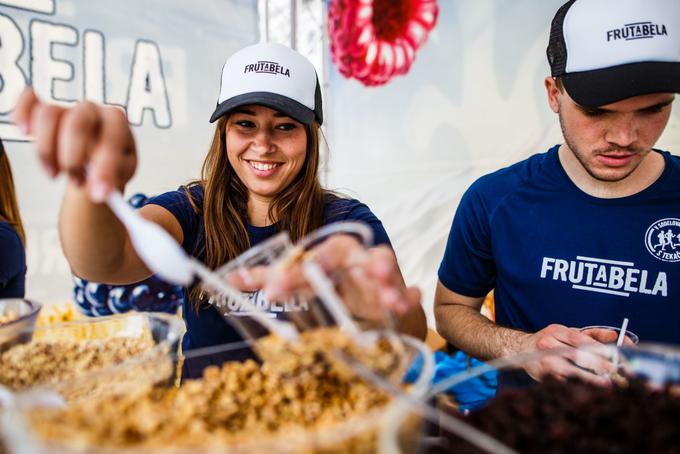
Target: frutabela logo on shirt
(258, 300)
(663, 239)
(605, 276)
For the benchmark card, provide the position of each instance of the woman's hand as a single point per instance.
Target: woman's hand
(91, 143)
(367, 280)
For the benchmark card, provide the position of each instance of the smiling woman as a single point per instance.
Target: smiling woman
(259, 177)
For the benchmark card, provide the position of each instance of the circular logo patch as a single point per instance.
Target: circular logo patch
(663, 240)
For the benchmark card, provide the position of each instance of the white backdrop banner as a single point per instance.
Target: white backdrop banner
(472, 101)
(158, 59)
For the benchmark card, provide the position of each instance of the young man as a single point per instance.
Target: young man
(570, 238)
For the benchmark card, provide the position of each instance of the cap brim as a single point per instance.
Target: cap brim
(283, 104)
(605, 86)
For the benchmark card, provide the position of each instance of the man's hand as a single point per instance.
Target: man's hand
(92, 144)
(607, 336)
(577, 354)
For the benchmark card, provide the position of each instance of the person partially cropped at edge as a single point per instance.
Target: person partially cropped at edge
(12, 235)
(587, 233)
(260, 177)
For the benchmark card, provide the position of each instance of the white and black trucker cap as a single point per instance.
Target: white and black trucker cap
(609, 50)
(274, 76)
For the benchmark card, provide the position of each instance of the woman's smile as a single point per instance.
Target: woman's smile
(266, 148)
(264, 169)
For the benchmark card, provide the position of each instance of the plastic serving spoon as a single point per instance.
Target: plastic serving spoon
(161, 253)
(323, 287)
(157, 249)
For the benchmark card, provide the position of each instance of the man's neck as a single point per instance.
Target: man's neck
(649, 170)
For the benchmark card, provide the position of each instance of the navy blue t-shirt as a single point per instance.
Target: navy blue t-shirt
(12, 263)
(207, 327)
(555, 254)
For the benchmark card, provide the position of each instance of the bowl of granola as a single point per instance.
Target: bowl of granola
(63, 358)
(294, 398)
(17, 319)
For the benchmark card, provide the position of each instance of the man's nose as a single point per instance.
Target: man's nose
(623, 131)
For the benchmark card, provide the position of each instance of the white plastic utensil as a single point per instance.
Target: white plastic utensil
(156, 247)
(161, 253)
(622, 333)
(324, 289)
(619, 342)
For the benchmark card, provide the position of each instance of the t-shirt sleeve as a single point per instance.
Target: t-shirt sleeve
(11, 255)
(468, 266)
(177, 203)
(357, 211)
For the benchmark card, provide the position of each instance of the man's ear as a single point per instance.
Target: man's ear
(553, 92)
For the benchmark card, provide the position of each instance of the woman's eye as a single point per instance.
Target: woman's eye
(245, 123)
(286, 126)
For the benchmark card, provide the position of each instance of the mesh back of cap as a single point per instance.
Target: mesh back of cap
(557, 48)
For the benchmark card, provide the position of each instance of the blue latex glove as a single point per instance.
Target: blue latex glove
(471, 393)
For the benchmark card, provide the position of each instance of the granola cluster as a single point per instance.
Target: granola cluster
(298, 389)
(43, 362)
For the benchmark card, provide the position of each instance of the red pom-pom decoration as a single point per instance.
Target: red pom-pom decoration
(375, 40)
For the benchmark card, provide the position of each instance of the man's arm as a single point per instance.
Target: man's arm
(460, 322)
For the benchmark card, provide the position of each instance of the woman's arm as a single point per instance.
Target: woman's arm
(94, 147)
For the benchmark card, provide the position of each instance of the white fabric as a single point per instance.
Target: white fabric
(590, 26)
(292, 75)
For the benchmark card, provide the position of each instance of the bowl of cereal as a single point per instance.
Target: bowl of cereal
(17, 319)
(296, 398)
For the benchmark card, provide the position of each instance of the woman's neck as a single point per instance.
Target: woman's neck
(258, 210)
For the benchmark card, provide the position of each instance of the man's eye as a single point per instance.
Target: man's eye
(593, 112)
(653, 110)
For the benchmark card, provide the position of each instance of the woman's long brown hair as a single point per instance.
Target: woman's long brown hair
(9, 209)
(298, 208)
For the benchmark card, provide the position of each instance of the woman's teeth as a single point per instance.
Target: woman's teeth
(262, 165)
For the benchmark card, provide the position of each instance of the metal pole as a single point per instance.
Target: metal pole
(293, 24)
(326, 91)
(266, 20)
